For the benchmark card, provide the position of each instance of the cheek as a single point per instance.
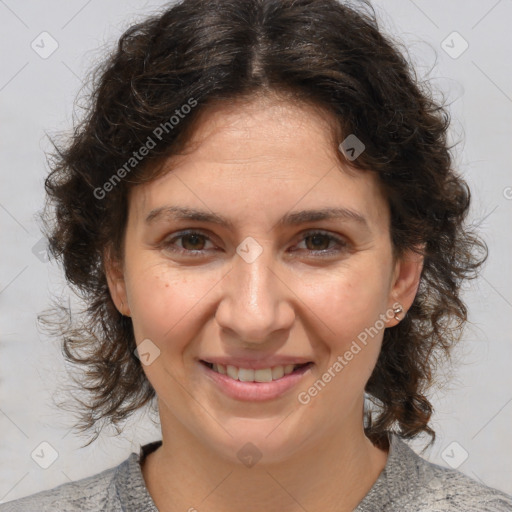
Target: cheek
(348, 301)
(346, 307)
(163, 300)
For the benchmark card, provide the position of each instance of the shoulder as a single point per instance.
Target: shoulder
(445, 489)
(117, 489)
(415, 483)
(91, 493)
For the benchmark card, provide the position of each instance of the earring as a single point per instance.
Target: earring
(397, 310)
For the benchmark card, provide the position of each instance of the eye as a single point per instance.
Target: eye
(318, 242)
(192, 243)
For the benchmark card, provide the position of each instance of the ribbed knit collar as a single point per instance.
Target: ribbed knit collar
(397, 479)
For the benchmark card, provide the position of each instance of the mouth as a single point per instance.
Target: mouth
(255, 385)
(257, 375)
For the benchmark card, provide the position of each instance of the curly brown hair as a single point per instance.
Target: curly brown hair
(199, 52)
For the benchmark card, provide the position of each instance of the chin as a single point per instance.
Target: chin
(258, 441)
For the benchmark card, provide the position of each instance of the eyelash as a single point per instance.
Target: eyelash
(323, 253)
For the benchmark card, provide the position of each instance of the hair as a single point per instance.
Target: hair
(199, 53)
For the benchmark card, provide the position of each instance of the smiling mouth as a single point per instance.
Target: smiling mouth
(260, 375)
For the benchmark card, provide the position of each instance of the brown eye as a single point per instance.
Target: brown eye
(192, 244)
(317, 243)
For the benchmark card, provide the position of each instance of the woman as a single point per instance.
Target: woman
(261, 211)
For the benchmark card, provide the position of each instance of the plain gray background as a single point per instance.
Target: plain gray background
(473, 413)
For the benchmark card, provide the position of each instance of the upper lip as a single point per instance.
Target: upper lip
(256, 364)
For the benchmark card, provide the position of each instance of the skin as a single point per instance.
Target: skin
(253, 161)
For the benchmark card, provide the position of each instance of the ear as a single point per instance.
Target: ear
(116, 283)
(404, 286)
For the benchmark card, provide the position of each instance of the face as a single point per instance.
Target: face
(267, 290)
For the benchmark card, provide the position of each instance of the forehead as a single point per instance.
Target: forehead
(251, 130)
(264, 155)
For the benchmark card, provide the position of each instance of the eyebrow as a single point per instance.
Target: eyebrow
(178, 213)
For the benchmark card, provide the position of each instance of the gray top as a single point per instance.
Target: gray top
(407, 483)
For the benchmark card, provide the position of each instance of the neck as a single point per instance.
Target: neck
(335, 474)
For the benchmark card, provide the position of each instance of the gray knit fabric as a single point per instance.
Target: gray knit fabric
(408, 483)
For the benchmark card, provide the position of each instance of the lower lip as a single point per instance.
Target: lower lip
(255, 391)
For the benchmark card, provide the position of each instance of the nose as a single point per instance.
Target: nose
(256, 305)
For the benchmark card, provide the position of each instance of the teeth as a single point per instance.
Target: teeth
(245, 375)
(288, 368)
(232, 371)
(277, 372)
(249, 375)
(264, 375)
(220, 368)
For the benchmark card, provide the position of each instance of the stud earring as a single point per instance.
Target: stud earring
(397, 310)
